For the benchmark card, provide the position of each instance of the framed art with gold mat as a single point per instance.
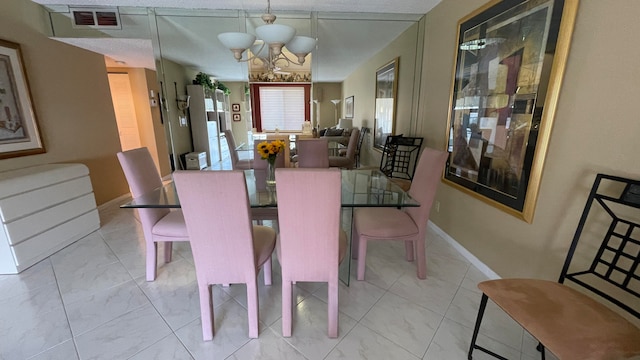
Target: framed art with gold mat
(510, 60)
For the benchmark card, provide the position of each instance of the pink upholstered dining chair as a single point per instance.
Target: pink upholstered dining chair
(236, 162)
(311, 244)
(158, 225)
(349, 160)
(313, 153)
(226, 247)
(409, 224)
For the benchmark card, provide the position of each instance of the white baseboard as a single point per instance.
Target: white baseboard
(117, 201)
(464, 252)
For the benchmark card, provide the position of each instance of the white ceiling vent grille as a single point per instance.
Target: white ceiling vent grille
(95, 18)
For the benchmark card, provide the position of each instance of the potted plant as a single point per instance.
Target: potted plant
(223, 87)
(204, 80)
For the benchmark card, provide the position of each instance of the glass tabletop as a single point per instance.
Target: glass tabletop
(360, 188)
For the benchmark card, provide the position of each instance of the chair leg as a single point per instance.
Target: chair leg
(287, 310)
(355, 241)
(152, 260)
(266, 268)
(333, 308)
(408, 250)
(483, 305)
(252, 308)
(540, 348)
(206, 311)
(421, 258)
(362, 258)
(168, 251)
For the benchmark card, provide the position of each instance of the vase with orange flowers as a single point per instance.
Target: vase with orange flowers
(269, 151)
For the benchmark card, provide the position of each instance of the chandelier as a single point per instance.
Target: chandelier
(268, 46)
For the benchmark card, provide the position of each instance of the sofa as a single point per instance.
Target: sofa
(338, 135)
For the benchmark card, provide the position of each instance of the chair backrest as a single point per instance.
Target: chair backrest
(309, 222)
(231, 143)
(216, 211)
(353, 144)
(400, 156)
(143, 177)
(259, 163)
(604, 256)
(425, 183)
(313, 153)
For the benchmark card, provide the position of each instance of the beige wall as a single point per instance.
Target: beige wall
(324, 93)
(595, 131)
(176, 73)
(71, 100)
(361, 85)
(237, 96)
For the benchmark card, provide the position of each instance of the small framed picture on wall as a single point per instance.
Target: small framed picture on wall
(236, 117)
(235, 107)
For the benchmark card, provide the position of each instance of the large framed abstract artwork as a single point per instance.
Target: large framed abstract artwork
(510, 60)
(19, 134)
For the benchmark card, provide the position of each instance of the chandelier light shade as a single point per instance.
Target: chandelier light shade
(276, 36)
(268, 44)
(300, 46)
(236, 41)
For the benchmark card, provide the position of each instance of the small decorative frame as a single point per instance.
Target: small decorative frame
(386, 104)
(19, 134)
(235, 107)
(510, 60)
(236, 117)
(348, 107)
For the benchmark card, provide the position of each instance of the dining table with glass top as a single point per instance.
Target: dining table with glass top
(359, 188)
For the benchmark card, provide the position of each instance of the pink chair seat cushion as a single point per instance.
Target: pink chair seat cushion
(570, 324)
(264, 213)
(384, 223)
(171, 226)
(243, 164)
(264, 240)
(340, 161)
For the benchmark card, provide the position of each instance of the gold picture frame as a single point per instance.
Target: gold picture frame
(510, 60)
(386, 103)
(19, 135)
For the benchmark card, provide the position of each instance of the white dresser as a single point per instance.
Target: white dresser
(43, 209)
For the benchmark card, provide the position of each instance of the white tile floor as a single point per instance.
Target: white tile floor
(91, 301)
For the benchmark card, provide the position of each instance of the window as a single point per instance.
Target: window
(281, 106)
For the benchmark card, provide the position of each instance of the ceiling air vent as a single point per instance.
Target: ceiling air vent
(95, 18)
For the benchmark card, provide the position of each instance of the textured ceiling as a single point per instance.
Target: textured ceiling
(348, 32)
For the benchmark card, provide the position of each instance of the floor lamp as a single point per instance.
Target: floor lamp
(335, 104)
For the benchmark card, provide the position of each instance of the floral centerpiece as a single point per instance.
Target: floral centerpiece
(269, 151)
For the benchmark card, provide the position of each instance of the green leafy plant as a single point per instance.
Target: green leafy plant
(204, 80)
(223, 87)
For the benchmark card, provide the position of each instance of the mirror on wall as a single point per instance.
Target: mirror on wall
(187, 43)
(184, 42)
